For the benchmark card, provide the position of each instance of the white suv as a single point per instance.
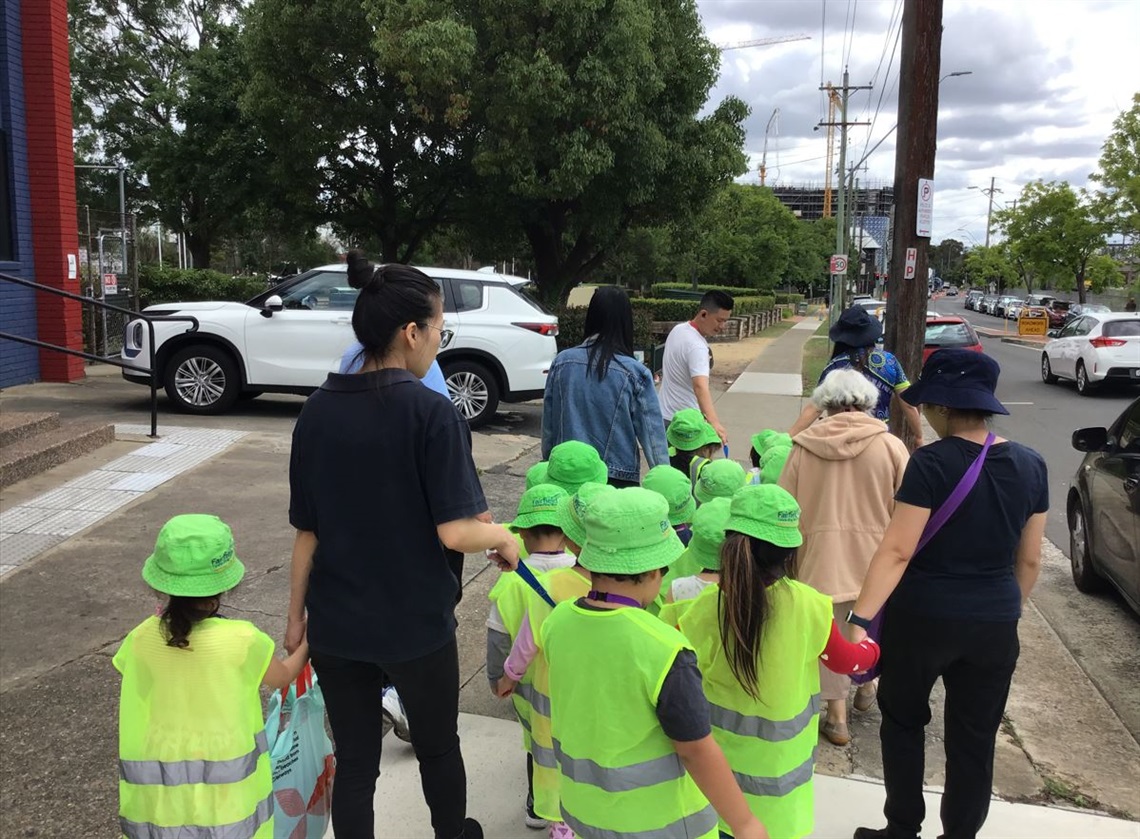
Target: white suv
(498, 343)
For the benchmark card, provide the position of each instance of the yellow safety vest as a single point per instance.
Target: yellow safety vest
(620, 776)
(769, 742)
(192, 745)
(671, 612)
(561, 584)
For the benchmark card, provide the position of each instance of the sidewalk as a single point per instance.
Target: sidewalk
(496, 789)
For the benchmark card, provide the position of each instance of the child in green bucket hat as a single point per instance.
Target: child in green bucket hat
(759, 638)
(166, 723)
(536, 474)
(699, 566)
(526, 665)
(693, 442)
(763, 442)
(719, 479)
(625, 692)
(574, 463)
(674, 487)
(538, 524)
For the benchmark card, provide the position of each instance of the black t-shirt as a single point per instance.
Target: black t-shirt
(966, 571)
(378, 461)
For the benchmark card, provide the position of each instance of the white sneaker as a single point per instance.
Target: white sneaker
(393, 710)
(532, 820)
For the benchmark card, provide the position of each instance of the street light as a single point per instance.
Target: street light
(955, 75)
(989, 213)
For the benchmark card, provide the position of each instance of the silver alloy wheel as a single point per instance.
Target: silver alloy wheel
(1077, 544)
(200, 381)
(1082, 378)
(468, 393)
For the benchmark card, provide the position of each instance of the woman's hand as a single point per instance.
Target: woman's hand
(857, 634)
(296, 633)
(505, 687)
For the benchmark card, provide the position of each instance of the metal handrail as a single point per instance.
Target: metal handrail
(150, 320)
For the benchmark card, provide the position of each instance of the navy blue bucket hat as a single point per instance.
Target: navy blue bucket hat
(961, 379)
(856, 328)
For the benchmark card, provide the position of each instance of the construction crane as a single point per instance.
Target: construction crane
(774, 119)
(833, 104)
(763, 42)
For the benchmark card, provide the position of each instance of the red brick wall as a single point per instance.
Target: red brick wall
(51, 168)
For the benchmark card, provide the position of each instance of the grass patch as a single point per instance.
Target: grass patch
(817, 353)
(776, 329)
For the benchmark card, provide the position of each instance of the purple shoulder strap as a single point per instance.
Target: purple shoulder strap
(954, 501)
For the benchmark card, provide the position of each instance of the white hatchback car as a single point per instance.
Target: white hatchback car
(498, 344)
(1094, 348)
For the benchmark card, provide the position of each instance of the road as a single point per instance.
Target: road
(1101, 632)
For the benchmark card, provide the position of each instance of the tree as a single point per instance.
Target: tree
(155, 83)
(1052, 229)
(1102, 272)
(1119, 169)
(365, 117)
(586, 118)
(990, 265)
(948, 259)
(809, 250)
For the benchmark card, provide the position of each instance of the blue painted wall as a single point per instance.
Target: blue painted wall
(19, 363)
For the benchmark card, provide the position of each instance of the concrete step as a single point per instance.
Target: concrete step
(16, 425)
(31, 455)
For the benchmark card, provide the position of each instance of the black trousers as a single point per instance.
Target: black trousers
(429, 688)
(976, 660)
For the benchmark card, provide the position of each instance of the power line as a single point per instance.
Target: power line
(884, 88)
(822, 45)
(851, 39)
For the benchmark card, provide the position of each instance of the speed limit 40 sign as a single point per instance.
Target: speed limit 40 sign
(839, 264)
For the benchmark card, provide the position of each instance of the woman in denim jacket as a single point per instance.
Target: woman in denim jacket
(598, 393)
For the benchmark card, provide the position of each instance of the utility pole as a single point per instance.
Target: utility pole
(914, 159)
(990, 212)
(838, 285)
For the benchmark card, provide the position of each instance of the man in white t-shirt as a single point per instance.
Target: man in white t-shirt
(685, 367)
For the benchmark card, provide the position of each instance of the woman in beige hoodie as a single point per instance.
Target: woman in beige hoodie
(844, 471)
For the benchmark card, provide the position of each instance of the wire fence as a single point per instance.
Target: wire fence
(108, 266)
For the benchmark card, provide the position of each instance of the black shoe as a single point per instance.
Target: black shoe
(472, 829)
(880, 833)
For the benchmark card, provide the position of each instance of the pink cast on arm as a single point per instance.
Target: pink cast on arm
(523, 652)
(841, 656)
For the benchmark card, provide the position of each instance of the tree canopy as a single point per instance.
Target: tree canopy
(1119, 170)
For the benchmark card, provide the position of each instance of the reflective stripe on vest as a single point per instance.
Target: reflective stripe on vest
(543, 756)
(698, 824)
(757, 785)
(245, 827)
(539, 701)
(175, 773)
(648, 773)
(754, 726)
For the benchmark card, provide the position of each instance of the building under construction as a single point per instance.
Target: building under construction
(808, 201)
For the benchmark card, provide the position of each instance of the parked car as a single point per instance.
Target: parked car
(1039, 299)
(870, 304)
(987, 303)
(1058, 312)
(1104, 508)
(1077, 309)
(973, 298)
(1002, 304)
(498, 344)
(1013, 310)
(945, 331)
(1093, 349)
(952, 291)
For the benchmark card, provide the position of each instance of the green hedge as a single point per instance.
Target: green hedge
(789, 299)
(572, 325)
(171, 285)
(657, 288)
(677, 310)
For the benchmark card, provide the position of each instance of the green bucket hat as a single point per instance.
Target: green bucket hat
(766, 512)
(573, 463)
(689, 430)
(571, 507)
(539, 505)
(193, 557)
(770, 438)
(772, 463)
(628, 532)
(536, 474)
(719, 479)
(673, 485)
(708, 534)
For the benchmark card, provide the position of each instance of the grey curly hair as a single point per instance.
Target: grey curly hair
(845, 389)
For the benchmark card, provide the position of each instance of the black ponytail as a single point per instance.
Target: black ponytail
(391, 297)
(182, 613)
(747, 567)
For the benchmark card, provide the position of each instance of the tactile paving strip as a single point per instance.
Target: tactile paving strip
(29, 529)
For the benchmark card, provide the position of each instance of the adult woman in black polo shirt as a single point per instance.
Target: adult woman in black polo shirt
(954, 603)
(381, 481)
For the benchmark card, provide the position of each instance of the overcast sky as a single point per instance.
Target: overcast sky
(1047, 79)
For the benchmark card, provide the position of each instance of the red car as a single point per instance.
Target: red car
(946, 331)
